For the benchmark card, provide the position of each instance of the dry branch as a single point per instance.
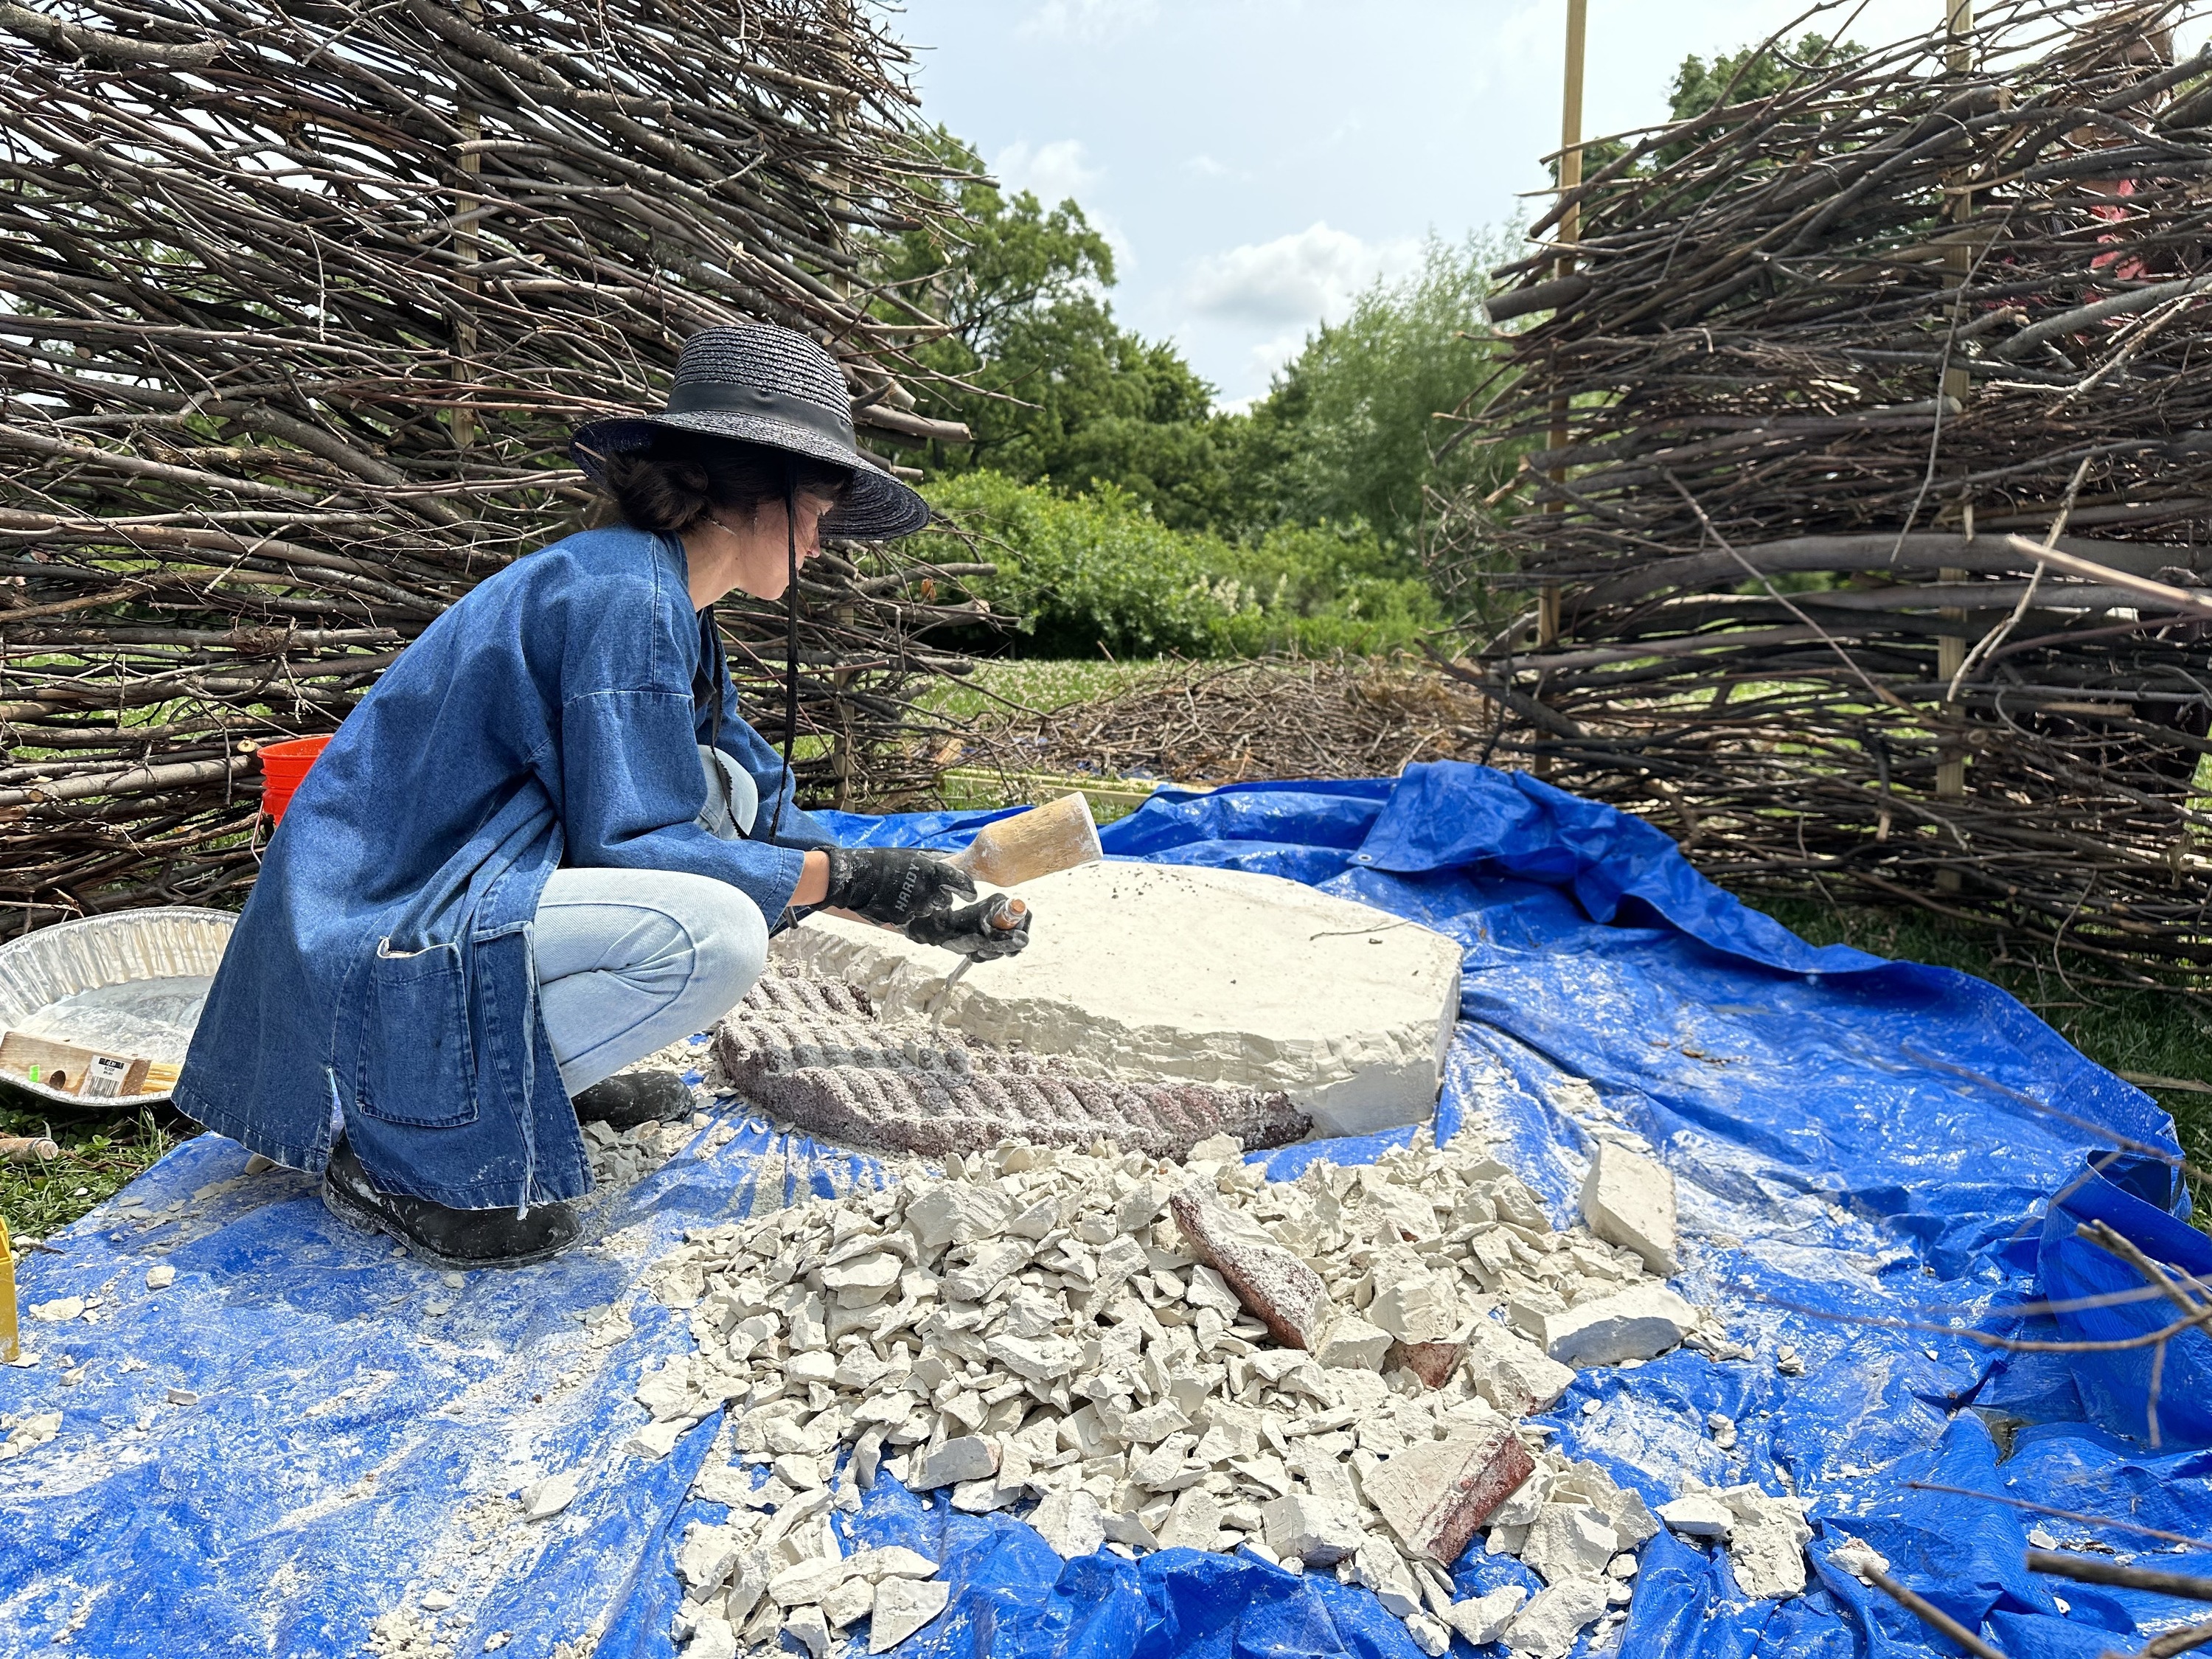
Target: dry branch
(1825, 352)
(298, 300)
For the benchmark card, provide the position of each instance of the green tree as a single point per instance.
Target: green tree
(1737, 78)
(1349, 433)
(1742, 77)
(1061, 392)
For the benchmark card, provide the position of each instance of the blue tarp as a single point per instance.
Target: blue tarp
(307, 1430)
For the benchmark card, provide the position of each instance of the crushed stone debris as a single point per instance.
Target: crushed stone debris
(1114, 1347)
(814, 1051)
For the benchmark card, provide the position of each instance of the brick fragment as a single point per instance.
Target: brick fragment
(1435, 1494)
(1432, 1362)
(1276, 1288)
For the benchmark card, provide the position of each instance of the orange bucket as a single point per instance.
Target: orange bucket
(283, 766)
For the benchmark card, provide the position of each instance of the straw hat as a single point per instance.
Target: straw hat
(760, 383)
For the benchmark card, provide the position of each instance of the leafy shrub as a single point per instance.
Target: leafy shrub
(1083, 571)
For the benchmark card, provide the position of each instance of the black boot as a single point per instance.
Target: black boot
(629, 1098)
(452, 1238)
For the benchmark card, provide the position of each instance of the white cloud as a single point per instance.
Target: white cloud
(1091, 22)
(1055, 171)
(1262, 360)
(1205, 167)
(1309, 278)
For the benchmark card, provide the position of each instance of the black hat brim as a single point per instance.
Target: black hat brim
(878, 507)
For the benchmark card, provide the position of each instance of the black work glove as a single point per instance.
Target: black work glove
(971, 930)
(893, 884)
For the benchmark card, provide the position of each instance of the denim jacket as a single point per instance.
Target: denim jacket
(381, 972)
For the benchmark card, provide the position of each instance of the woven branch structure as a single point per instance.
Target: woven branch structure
(298, 304)
(1824, 374)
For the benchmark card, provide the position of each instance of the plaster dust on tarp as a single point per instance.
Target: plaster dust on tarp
(1854, 1143)
(517, 1406)
(1169, 972)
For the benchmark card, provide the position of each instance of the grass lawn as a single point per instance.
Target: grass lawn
(1040, 684)
(2128, 1031)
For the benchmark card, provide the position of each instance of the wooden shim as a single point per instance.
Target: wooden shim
(70, 1070)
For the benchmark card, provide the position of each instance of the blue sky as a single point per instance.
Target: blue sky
(1257, 162)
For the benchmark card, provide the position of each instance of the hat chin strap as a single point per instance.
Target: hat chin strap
(790, 784)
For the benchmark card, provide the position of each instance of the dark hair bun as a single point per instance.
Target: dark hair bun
(681, 477)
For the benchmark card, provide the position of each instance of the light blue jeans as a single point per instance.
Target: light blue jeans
(629, 961)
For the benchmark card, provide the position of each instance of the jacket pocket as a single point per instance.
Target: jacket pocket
(417, 1064)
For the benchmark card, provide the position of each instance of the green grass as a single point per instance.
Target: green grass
(100, 1155)
(1039, 683)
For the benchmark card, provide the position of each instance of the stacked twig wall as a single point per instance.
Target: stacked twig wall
(298, 302)
(1831, 370)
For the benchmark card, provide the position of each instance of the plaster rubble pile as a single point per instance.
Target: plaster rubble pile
(1328, 1372)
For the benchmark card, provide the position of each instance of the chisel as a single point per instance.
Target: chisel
(1006, 917)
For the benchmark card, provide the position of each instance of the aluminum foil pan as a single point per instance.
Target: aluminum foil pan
(128, 984)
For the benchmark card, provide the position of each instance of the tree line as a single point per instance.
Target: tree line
(1129, 513)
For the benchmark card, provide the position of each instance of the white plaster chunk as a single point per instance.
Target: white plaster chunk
(1858, 1558)
(893, 1561)
(849, 1602)
(1413, 1307)
(1697, 1516)
(1068, 1520)
(1381, 1569)
(1307, 1529)
(903, 1606)
(1040, 1358)
(1513, 1374)
(810, 1630)
(1767, 1547)
(863, 1279)
(1548, 1627)
(808, 1582)
(1194, 1523)
(1351, 1343)
(1637, 1324)
(1430, 1636)
(1272, 986)
(708, 1555)
(1568, 1540)
(711, 1639)
(1628, 1199)
(549, 1497)
(1484, 1618)
(161, 1278)
(971, 1457)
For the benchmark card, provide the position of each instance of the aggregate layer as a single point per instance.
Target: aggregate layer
(811, 1051)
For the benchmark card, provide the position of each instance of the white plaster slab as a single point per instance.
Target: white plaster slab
(1178, 972)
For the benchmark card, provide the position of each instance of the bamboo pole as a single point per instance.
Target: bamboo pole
(1570, 223)
(10, 1347)
(1958, 387)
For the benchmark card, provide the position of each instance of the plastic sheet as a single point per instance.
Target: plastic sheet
(1856, 1142)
